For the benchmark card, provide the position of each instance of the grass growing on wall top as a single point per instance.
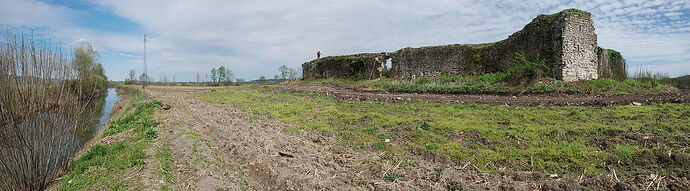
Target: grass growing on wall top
(543, 18)
(548, 139)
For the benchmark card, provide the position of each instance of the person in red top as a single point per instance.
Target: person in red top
(318, 54)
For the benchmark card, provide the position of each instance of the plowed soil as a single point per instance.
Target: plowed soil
(354, 94)
(219, 147)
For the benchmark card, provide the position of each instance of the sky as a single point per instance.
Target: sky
(255, 37)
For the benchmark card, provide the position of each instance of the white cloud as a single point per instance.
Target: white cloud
(25, 13)
(255, 37)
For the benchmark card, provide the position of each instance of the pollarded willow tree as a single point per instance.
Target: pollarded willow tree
(43, 94)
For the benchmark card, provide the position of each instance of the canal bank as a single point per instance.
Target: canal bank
(118, 147)
(115, 100)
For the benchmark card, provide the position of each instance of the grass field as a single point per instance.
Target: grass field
(104, 166)
(589, 140)
(499, 83)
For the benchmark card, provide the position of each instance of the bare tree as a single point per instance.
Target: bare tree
(284, 70)
(292, 74)
(229, 75)
(214, 74)
(197, 78)
(132, 75)
(42, 99)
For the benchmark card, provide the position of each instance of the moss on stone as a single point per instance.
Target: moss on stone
(578, 12)
(617, 64)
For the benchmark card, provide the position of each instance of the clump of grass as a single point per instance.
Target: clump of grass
(393, 176)
(438, 170)
(164, 155)
(138, 118)
(380, 145)
(524, 71)
(425, 126)
(151, 133)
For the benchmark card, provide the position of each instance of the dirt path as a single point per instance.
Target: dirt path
(220, 147)
(352, 94)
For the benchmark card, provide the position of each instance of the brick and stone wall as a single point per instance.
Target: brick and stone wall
(565, 41)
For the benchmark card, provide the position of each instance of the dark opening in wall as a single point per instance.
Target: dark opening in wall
(389, 64)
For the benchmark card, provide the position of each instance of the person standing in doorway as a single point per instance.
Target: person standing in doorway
(318, 54)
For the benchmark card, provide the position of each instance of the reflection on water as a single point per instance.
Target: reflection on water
(50, 140)
(95, 116)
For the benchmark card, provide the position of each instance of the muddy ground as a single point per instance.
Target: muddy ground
(219, 147)
(353, 94)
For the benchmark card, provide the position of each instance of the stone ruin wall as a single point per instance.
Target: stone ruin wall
(565, 41)
(611, 64)
(366, 66)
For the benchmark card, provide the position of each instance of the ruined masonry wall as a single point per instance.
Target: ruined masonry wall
(611, 64)
(365, 66)
(565, 41)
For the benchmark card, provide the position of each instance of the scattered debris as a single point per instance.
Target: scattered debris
(282, 154)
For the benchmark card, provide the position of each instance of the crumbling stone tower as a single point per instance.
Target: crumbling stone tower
(578, 56)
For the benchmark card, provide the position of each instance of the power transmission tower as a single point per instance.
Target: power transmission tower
(146, 76)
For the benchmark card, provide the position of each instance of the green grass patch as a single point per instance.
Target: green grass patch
(164, 155)
(551, 139)
(518, 81)
(393, 176)
(104, 166)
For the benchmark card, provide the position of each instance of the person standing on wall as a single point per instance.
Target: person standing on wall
(318, 54)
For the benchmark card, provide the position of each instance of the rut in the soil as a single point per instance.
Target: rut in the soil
(353, 94)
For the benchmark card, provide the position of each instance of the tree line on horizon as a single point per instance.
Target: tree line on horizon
(216, 76)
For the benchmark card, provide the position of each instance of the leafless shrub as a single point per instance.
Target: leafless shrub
(40, 107)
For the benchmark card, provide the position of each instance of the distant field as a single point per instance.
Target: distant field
(632, 140)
